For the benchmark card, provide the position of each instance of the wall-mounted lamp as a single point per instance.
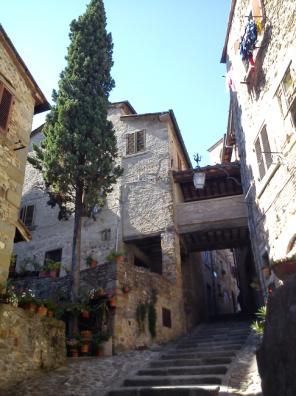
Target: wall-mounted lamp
(199, 179)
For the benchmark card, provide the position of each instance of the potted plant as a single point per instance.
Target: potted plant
(44, 271)
(42, 309)
(73, 343)
(85, 312)
(51, 307)
(8, 294)
(103, 343)
(91, 262)
(54, 268)
(27, 300)
(116, 256)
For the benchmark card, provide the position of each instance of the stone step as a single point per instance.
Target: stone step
(200, 354)
(191, 362)
(171, 380)
(167, 391)
(222, 347)
(184, 370)
(207, 340)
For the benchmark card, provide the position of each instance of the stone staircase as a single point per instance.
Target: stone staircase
(194, 365)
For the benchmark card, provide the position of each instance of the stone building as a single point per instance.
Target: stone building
(138, 218)
(20, 99)
(259, 53)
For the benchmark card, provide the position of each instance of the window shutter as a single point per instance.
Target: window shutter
(130, 143)
(5, 106)
(140, 141)
(266, 148)
(259, 158)
(257, 9)
(29, 215)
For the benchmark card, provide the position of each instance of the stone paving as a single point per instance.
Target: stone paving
(97, 376)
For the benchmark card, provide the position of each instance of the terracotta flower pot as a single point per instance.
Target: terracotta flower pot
(86, 335)
(42, 311)
(84, 348)
(32, 307)
(50, 314)
(43, 274)
(85, 314)
(284, 269)
(73, 352)
(93, 264)
(112, 302)
(119, 259)
(53, 274)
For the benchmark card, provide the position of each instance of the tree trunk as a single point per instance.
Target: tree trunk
(75, 267)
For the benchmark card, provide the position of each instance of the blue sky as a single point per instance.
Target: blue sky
(166, 56)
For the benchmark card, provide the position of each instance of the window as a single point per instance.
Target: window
(106, 234)
(263, 152)
(286, 93)
(166, 317)
(53, 255)
(179, 163)
(6, 100)
(135, 142)
(27, 215)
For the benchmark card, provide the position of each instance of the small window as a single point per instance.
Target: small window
(106, 234)
(27, 215)
(135, 142)
(263, 152)
(286, 91)
(53, 256)
(179, 163)
(166, 318)
(6, 100)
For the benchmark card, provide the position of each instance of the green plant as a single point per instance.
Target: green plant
(53, 265)
(8, 293)
(141, 312)
(88, 261)
(152, 314)
(100, 337)
(258, 325)
(27, 296)
(77, 156)
(113, 254)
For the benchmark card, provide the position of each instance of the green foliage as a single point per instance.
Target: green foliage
(152, 318)
(79, 146)
(141, 312)
(113, 254)
(100, 337)
(258, 325)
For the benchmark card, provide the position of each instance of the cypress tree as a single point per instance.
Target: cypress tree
(77, 155)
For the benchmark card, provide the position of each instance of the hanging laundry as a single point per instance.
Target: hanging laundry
(248, 40)
(230, 84)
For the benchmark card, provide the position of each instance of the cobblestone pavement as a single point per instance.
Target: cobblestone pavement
(96, 376)
(242, 377)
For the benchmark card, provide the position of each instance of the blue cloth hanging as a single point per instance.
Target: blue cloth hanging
(248, 40)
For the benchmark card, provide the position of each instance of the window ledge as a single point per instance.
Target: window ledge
(135, 155)
(266, 179)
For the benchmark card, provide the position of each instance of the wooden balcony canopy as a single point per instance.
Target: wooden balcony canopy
(221, 180)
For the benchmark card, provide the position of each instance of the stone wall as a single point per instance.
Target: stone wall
(28, 344)
(12, 163)
(103, 276)
(276, 355)
(271, 200)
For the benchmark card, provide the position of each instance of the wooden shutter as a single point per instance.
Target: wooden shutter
(259, 156)
(29, 214)
(257, 9)
(266, 147)
(130, 143)
(140, 141)
(5, 108)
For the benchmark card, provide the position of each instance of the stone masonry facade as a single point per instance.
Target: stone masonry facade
(139, 211)
(17, 82)
(262, 112)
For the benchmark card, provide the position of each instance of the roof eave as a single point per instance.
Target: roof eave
(41, 103)
(231, 13)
